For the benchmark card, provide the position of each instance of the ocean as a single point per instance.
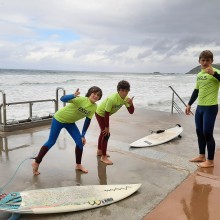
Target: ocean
(150, 90)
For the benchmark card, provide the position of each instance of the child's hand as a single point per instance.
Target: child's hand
(106, 131)
(83, 141)
(77, 92)
(130, 101)
(188, 110)
(209, 70)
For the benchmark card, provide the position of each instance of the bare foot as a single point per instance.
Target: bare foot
(99, 153)
(81, 168)
(200, 158)
(35, 167)
(206, 164)
(105, 160)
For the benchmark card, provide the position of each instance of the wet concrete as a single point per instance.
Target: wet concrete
(160, 169)
(196, 198)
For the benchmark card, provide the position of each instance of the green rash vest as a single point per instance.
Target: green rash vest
(208, 87)
(77, 109)
(111, 104)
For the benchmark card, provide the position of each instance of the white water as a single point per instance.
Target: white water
(150, 91)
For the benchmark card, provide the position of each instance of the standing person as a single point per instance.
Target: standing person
(108, 107)
(78, 108)
(207, 87)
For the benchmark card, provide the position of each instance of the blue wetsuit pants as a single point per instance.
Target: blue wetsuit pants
(56, 127)
(205, 120)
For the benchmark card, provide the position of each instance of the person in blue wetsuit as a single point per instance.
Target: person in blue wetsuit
(78, 108)
(206, 90)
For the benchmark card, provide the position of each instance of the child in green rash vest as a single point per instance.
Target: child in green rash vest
(207, 87)
(78, 108)
(108, 107)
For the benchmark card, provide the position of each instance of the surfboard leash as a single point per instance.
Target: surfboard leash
(161, 131)
(13, 176)
(15, 216)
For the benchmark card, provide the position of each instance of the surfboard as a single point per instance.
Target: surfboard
(160, 137)
(65, 199)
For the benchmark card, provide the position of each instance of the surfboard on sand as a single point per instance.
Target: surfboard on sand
(65, 199)
(159, 137)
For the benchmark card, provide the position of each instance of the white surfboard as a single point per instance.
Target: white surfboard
(65, 199)
(158, 138)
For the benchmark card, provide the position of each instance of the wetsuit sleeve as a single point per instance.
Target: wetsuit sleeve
(67, 98)
(131, 109)
(193, 96)
(217, 76)
(85, 126)
(107, 114)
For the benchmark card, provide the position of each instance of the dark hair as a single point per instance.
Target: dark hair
(123, 85)
(206, 54)
(94, 89)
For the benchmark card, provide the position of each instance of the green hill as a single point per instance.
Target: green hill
(198, 68)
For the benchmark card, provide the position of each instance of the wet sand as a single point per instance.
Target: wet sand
(160, 169)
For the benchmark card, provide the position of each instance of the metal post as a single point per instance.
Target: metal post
(30, 110)
(172, 103)
(57, 101)
(1, 114)
(4, 106)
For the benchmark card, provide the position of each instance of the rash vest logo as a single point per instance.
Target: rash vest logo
(117, 106)
(202, 78)
(84, 111)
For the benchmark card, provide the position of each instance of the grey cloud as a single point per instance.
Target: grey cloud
(112, 28)
(117, 50)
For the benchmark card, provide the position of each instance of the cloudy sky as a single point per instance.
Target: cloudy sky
(108, 35)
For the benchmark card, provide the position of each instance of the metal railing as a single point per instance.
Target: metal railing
(174, 104)
(30, 103)
(4, 105)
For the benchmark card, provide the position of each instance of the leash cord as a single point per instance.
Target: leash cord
(13, 176)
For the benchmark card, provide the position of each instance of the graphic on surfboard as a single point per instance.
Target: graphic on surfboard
(65, 199)
(161, 137)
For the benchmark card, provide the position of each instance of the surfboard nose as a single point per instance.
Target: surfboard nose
(10, 201)
(2, 196)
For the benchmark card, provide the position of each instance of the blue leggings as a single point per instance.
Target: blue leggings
(55, 129)
(205, 120)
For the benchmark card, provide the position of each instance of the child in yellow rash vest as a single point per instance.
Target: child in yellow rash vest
(108, 107)
(206, 89)
(78, 108)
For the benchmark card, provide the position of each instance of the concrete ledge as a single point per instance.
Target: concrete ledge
(25, 125)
